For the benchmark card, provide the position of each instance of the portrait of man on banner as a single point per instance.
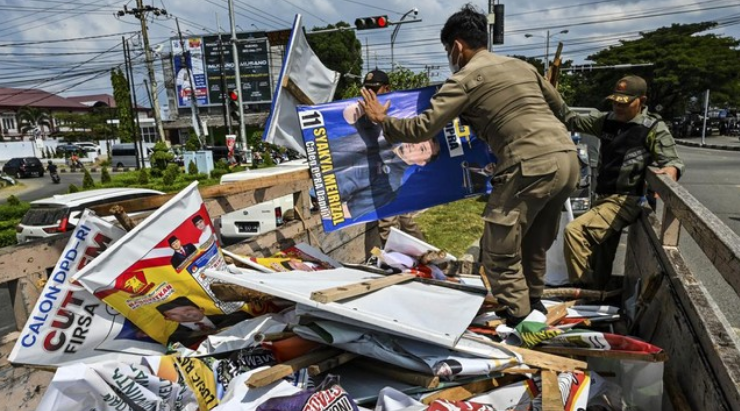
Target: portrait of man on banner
(358, 176)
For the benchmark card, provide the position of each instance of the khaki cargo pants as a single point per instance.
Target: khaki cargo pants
(404, 222)
(591, 240)
(521, 223)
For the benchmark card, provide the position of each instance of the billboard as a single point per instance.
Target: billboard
(205, 58)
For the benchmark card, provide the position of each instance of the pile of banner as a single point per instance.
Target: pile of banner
(161, 318)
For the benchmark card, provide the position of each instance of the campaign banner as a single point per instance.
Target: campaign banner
(190, 75)
(359, 176)
(154, 275)
(70, 325)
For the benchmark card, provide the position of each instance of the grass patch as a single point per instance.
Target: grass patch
(454, 226)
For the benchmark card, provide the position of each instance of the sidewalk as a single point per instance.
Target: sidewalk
(713, 142)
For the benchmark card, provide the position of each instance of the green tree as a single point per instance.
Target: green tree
(143, 177)
(104, 176)
(160, 158)
(193, 143)
(170, 174)
(686, 61)
(13, 201)
(73, 189)
(401, 78)
(192, 168)
(122, 94)
(339, 51)
(87, 181)
(31, 118)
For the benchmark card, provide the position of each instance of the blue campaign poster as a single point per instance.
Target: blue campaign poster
(359, 177)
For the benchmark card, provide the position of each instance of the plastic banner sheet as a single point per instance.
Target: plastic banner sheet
(358, 176)
(68, 324)
(154, 275)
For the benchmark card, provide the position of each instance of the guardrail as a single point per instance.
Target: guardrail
(674, 310)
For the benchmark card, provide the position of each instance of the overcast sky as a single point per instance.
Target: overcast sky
(79, 66)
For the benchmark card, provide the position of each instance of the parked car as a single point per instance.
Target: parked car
(260, 218)
(88, 146)
(69, 148)
(21, 167)
(60, 213)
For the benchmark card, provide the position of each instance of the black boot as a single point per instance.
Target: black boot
(511, 321)
(536, 304)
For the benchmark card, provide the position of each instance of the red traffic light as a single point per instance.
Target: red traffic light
(233, 96)
(376, 22)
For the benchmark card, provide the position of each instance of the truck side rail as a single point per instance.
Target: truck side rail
(23, 268)
(673, 308)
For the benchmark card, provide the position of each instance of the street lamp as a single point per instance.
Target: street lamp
(547, 45)
(395, 33)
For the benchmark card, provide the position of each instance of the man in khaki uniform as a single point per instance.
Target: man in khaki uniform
(631, 139)
(378, 82)
(509, 105)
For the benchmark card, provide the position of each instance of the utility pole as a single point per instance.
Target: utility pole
(193, 98)
(224, 91)
(140, 13)
(238, 79)
(135, 119)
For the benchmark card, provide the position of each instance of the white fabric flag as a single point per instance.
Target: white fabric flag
(305, 70)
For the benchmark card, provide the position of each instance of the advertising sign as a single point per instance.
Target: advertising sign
(192, 57)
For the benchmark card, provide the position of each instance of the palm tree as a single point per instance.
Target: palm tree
(32, 118)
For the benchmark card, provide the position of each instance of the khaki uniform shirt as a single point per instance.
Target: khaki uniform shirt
(506, 103)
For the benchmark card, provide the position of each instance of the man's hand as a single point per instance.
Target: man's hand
(670, 170)
(374, 111)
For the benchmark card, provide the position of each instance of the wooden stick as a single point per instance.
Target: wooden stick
(328, 364)
(354, 290)
(533, 358)
(520, 371)
(594, 353)
(466, 391)
(552, 399)
(260, 338)
(122, 217)
(233, 292)
(400, 374)
(296, 91)
(276, 372)
(576, 293)
(556, 313)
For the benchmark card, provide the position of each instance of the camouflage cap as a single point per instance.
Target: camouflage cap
(628, 89)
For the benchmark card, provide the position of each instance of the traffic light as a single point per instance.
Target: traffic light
(234, 109)
(377, 22)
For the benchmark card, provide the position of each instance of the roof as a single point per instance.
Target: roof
(75, 199)
(20, 97)
(95, 100)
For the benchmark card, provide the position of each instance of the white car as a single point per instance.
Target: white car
(88, 147)
(60, 213)
(260, 218)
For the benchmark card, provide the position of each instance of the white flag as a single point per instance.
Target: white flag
(305, 70)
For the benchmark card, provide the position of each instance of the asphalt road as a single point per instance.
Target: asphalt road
(37, 188)
(713, 177)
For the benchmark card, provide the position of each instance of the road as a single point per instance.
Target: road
(37, 188)
(713, 177)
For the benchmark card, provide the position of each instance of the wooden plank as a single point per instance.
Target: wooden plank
(276, 372)
(23, 293)
(296, 92)
(21, 260)
(330, 363)
(557, 312)
(222, 205)
(592, 353)
(216, 191)
(552, 399)
(469, 390)
(533, 358)
(355, 290)
(398, 373)
(670, 230)
(716, 240)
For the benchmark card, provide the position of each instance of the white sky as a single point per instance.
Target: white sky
(56, 67)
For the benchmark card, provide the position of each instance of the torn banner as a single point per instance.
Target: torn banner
(154, 275)
(358, 176)
(70, 325)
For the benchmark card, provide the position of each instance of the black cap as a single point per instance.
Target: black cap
(376, 78)
(628, 89)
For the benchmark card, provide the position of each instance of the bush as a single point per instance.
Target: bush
(105, 163)
(193, 143)
(7, 238)
(143, 177)
(170, 174)
(159, 158)
(73, 189)
(192, 168)
(13, 201)
(87, 181)
(216, 173)
(221, 164)
(13, 212)
(104, 176)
